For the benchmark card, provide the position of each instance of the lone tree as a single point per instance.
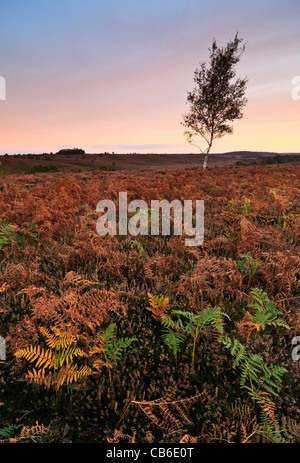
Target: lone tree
(216, 100)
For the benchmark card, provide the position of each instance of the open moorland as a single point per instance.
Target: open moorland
(32, 163)
(142, 338)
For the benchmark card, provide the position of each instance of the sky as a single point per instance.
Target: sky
(114, 75)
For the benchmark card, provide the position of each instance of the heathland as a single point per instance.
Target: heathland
(141, 338)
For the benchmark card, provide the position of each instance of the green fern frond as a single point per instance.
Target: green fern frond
(168, 323)
(265, 311)
(115, 349)
(173, 340)
(7, 431)
(196, 322)
(108, 335)
(7, 233)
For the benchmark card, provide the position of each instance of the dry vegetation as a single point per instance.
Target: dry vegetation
(94, 350)
(23, 164)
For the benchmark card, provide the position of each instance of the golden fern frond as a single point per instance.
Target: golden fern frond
(64, 338)
(63, 348)
(51, 339)
(67, 354)
(158, 306)
(38, 354)
(66, 375)
(72, 373)
(40, 377)
(59, 338)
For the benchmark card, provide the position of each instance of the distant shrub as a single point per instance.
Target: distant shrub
(278, 159)
(40, 169)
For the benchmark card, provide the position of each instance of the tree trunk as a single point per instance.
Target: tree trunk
(207, 152)
(205, 161)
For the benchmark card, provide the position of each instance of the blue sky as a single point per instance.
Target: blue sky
(115, 74)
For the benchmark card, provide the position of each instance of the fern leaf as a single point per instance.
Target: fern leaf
(37, 354)
(173, 340)
(109, 333)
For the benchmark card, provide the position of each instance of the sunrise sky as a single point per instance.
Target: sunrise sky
(113, 75)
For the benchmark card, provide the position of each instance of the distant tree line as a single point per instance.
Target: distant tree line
(29, 155)
(70, 151)
(278, 159)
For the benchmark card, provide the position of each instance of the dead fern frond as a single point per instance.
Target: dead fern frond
(28, 432)
(40, 377)
(32, 290)
(240, 410)
(245, 418)
(119, 436)
(168, 413)
(187, 438)
(73, 279)
(3, 287)
(267, 405)
(291, 429)
(246, 325)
